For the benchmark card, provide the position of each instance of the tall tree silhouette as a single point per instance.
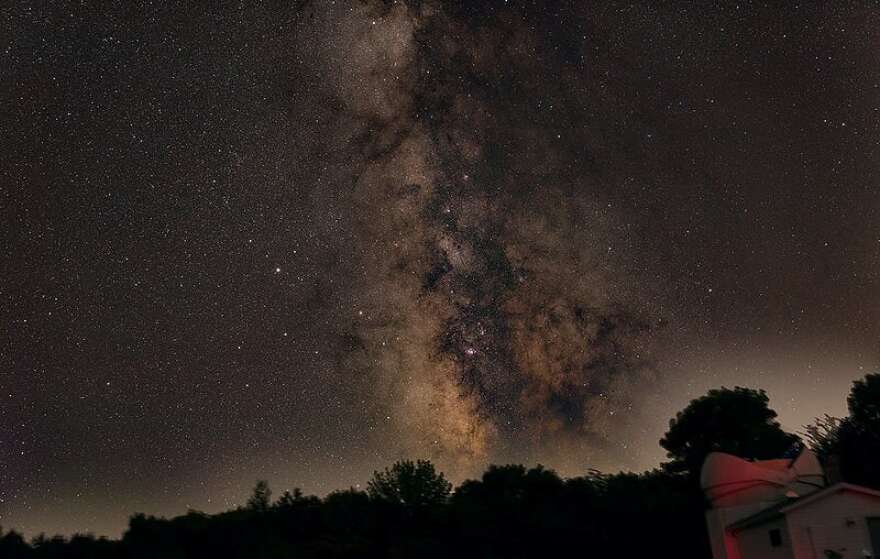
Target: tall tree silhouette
(410, 483)
(12, 544)
(738, 421)
(823, 438)
(864, 402)
(858, 436)
(261, 499)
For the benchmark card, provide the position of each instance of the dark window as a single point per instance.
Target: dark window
(874, 529)
(775, 538)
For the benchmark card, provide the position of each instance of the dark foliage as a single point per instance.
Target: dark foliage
(261, 499)
(416, 484)
(864, 402)
(510, 512)
(737, 421)
(849, 448)
(409, 510)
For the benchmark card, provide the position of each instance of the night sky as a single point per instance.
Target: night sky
(301, 240)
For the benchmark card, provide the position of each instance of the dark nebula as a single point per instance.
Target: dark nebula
(298, 241)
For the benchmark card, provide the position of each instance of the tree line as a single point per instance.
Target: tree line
(411, 510)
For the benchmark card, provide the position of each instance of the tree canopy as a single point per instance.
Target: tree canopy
(410, 483)
(261, 499)
(864, 402)
(409, 510)
(738, 421)
(850, 447)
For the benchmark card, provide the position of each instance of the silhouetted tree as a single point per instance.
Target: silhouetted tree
(410, 483)
(261, 499)
(511, 511)
(737, 421)
(864, 402)
(823, 438)
(12, 545)
(289, 499)
(348, 512)
(858, 436)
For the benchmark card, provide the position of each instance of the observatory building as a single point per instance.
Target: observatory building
(784, 509)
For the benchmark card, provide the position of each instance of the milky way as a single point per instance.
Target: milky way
(489, 343)
(299, 241)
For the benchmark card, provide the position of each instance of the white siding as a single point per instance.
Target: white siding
(717, 520)
(836, 522)
(754, 542)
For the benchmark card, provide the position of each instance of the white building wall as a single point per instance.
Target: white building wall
(723, 544)
(717, 520)
(754, 542)
(837, 523)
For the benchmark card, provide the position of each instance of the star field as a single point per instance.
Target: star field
(298, 241)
